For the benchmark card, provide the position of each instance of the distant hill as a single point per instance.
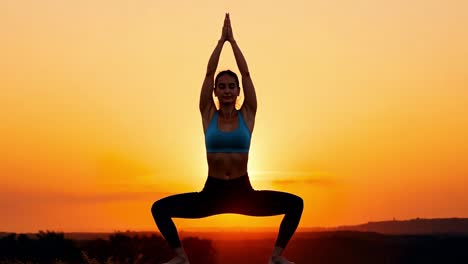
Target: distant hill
(413, 226)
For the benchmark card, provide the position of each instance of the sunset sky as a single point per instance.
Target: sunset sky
(362, 109)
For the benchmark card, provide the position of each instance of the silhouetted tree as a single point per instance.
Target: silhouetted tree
(125, 248)
(45, 248)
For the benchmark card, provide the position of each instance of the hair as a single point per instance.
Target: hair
(227, 72)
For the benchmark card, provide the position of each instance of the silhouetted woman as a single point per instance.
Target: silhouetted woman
(227, 139)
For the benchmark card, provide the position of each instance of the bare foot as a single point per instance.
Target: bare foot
(279, 260)
(178, 260)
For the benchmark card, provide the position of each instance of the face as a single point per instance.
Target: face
(226, 89)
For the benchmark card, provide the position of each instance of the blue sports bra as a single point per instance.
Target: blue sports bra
(237, 140)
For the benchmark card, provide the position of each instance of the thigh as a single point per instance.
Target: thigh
(188, 205)
(264, 203)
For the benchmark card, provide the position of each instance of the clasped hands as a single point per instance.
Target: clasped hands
(227, 30)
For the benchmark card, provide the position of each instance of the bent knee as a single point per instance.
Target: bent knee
(157, 207)
(298, 202)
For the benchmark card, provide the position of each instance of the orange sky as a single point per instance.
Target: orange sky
(360, 109)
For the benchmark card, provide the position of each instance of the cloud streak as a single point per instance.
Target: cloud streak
(77, 198)
(307, 181)
(295, 177)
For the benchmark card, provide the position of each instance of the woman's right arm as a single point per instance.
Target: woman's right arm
(206, 95)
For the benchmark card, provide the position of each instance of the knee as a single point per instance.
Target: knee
(156, 208)
(298, 203)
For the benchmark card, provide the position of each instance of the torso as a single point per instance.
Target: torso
(228, 166)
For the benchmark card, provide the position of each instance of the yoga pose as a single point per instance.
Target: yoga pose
(227, 138)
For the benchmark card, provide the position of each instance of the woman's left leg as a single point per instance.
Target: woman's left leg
(269, 203)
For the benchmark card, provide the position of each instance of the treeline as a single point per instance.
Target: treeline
(51, 247)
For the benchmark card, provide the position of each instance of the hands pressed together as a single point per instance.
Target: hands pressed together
(227, 30)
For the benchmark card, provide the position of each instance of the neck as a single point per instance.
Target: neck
(227, 111)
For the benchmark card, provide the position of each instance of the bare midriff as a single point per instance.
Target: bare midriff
(227, 166)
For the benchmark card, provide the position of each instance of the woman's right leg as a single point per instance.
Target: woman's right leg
(184, 205)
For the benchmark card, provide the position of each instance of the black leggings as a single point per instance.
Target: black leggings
(228, 196)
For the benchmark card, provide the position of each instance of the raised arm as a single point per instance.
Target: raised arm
(250, 100)
(206, 97)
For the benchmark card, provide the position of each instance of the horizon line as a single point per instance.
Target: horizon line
(237, 228)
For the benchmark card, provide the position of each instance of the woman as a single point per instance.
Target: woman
(227, 139)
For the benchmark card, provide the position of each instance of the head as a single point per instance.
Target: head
(227, 87)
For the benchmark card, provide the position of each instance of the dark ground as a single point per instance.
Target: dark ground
(305, 247)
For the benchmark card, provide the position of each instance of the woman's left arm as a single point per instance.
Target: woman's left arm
(250, 100)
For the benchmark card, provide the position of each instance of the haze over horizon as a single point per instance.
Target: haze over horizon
(361, 109)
